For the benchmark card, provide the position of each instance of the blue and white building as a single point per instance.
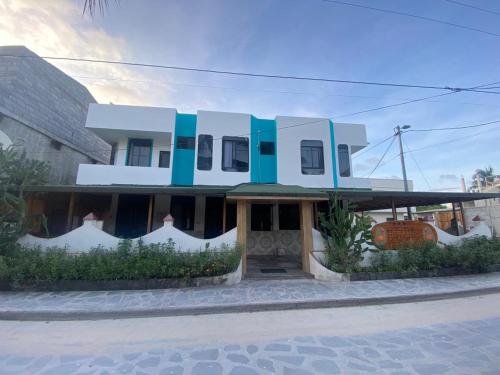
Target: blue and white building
(159, 146)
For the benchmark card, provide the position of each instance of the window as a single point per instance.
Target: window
(344, 165)
(234, 154)
(185, 143)
(164, 160)
(55, 144)
(182, 209)
(266, 148)
(262, 217)
(289, 216)
(311, 153)
(139, 152)
(112, 157)
(205, 148)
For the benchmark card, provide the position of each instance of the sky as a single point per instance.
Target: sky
(311, 38)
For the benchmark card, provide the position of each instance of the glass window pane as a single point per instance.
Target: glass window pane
(205, 147)
(344, 165)
(139, 152)
(164, 161)
(261, 217)
(185, 143)
(266, 148)
(311, 153)
(289, 218)
(235, 154)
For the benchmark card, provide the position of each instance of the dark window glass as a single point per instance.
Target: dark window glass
(205, 148)
(230, 216)
(164, 160)
(186, 143)
(311, 153)
(262, 217)
(182, 209)
(266, 148)
(289, 216)
(139, 152)
(234, 154)
(112, 157)
(344, 167)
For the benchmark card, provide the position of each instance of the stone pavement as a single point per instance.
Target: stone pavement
(471, 347)
(249, 295)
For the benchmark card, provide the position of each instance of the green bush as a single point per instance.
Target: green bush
(473, 255)
(127, 262)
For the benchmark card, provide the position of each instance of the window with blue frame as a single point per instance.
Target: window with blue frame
(344, 164)
(266, 148)
(139, 152)
(311, 155)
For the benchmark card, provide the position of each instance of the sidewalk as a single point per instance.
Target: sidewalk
(249, 295)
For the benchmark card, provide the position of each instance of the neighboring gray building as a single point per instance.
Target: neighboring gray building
(43, 111)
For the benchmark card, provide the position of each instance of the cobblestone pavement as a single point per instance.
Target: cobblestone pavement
(471, 347)
(248, 292)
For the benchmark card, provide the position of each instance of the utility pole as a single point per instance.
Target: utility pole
(397, 131)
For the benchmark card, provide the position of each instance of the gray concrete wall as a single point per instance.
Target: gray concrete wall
(63, 162)
(44, 98)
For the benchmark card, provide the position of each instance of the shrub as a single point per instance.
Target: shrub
(472, 255)
(127, 262)
(347, 236)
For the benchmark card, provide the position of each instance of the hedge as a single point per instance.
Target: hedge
(127, 262)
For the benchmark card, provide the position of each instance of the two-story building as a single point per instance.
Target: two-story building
(213, 171)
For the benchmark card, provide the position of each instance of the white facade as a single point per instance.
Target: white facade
(162, 127)
(219, 125)
(291, 132)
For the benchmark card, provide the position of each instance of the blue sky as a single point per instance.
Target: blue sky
(292, 37)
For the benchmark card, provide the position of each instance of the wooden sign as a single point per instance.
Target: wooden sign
(393, 235)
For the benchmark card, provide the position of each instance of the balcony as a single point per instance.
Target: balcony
(95, 174)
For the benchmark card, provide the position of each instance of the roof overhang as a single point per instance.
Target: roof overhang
(364, 200)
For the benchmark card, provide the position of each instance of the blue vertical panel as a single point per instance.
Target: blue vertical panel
(334, 159)
(263, 167)
(183, 160)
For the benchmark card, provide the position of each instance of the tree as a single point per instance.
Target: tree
(484, 176)
(16, 173)
(92, 5)
(347, 235)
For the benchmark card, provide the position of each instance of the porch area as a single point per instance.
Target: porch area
(274, 223)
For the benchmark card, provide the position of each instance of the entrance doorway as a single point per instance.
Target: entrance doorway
(273, 241)
(132, 215)
(214, 208)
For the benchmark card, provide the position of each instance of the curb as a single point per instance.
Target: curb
(227, 309)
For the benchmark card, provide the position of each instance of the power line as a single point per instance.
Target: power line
(287, 92)
(382, 157)
(247, 74)
(454, 127)
(473, 7)
(435, 20)
(372, 147)
(417, 164)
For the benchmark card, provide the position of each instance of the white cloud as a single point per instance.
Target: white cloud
(57, 28)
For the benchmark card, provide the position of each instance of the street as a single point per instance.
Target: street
(455, 336)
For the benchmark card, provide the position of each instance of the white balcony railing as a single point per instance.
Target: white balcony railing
(95, 174)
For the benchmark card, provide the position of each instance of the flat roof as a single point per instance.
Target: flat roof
(365, 200)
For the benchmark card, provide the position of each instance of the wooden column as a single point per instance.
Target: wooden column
(224, 219)
(150, 213)
(306, 240)
(71, 210)
(394, 212)
(241, 229)
(462, 213)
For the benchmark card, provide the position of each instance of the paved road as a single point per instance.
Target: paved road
(242, 296)
(460, 336)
